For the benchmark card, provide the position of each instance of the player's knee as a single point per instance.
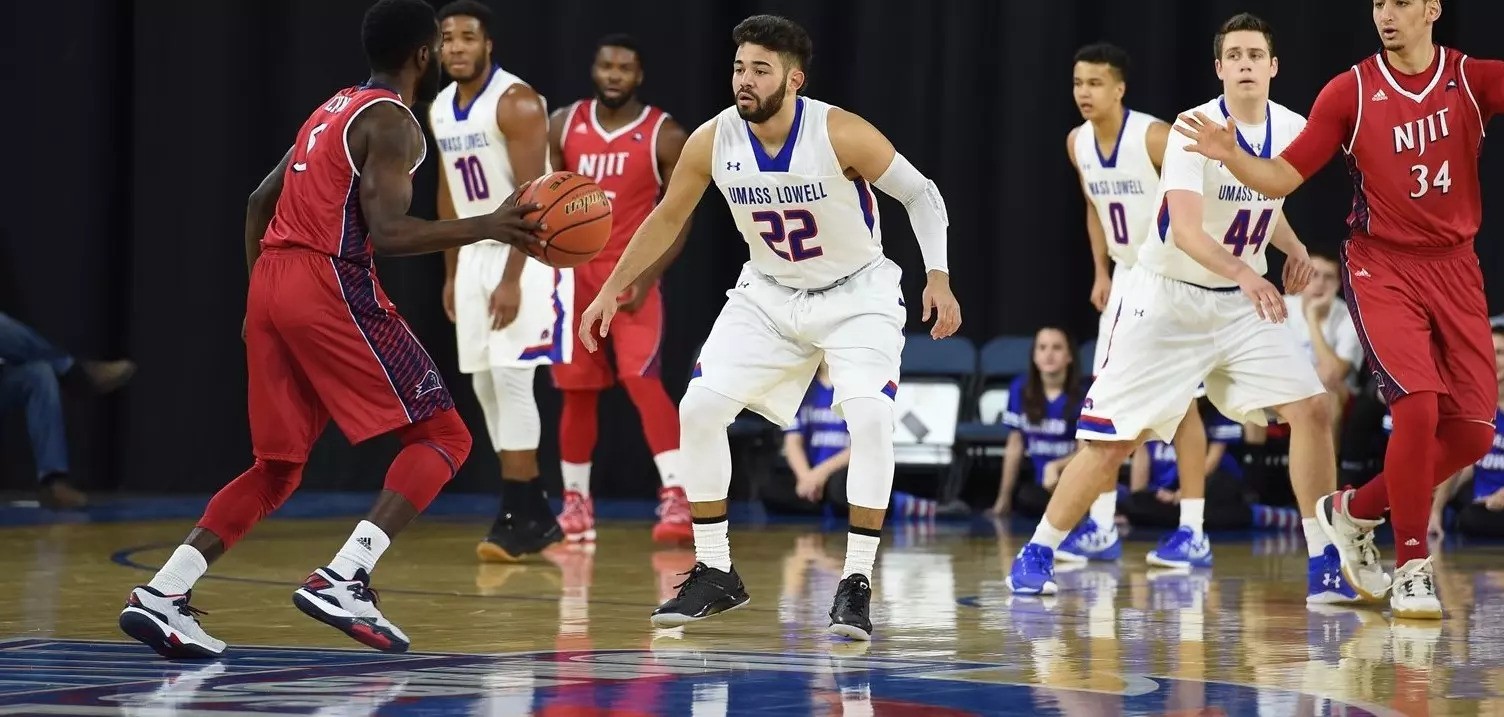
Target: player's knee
(444, 432)
(868, 419)
(1315, 412)
(704, 410)
(1110, 453)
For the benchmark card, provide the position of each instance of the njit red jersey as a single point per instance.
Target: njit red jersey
(319, 208)
(624, 162)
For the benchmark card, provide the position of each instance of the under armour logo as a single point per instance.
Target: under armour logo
(1138, 312)
(1332, 580)
(734, 166)
(744, 285)
(428, 384)
(364, 542)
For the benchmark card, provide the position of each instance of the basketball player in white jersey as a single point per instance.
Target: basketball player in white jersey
(510, 314)
(1117, 153)
(797, 175)
(1182, 322)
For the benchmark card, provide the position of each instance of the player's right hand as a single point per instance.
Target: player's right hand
(603, 309)
(509, 225)
(1101, 290)
(1210, 139)
(1266, 299)
(449, 300)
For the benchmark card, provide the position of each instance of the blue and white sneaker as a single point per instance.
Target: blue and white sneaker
(1184, 548)
(1325, 582)
(1089, 542)
(1033, 571)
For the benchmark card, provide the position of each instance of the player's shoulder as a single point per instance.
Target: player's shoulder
(1211, 108)
(442, 102)
(1286, 116)
(1143, 119)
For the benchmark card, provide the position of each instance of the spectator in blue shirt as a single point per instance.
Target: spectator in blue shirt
(1043, 405)
(1155, 481)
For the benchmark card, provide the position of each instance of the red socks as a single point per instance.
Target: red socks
(577, 426)
(660, 418)
(259, 491)
(432, 451)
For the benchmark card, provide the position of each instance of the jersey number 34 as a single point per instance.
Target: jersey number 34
(780, 231)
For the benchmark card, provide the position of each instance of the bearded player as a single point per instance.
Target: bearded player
(1410, 123)
(629, 149)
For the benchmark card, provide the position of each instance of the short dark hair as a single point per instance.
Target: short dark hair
(393, 30)
(1242, 22)
(779, 34)
(1106, 53)
(469, 8)
(622, 40)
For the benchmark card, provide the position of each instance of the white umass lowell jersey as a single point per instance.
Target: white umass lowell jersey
(476, 162)
(1120, 184)
(806, 225)
(1239, 218)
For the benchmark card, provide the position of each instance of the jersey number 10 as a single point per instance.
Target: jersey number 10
(776, 235)
(474, 177)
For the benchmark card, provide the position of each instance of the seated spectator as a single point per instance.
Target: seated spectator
(1481, 513)
(30, 369)
(1320, 319)
(1043, 405)
(816, 451)
(1155, 482)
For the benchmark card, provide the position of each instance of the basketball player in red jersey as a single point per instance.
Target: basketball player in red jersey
(629, 149)
(323, 340)
(1410, 121)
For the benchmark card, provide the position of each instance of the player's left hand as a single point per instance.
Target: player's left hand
(601, 310)
(1298, 269)
(506, 300)
(939, 301)
(1210, 139)
(1434, 529)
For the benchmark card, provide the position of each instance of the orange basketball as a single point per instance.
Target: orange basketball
(577, 214)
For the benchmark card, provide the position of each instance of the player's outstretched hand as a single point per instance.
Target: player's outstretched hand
(1210, 139)
(1298, 269)
(939, 301)
(1266, 299)
(602, 310)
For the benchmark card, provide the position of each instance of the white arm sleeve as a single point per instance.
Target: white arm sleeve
(926, 209)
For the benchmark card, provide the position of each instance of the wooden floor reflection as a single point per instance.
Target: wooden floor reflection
(1115, 632)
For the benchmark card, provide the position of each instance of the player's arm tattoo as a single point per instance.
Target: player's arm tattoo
(260, 207)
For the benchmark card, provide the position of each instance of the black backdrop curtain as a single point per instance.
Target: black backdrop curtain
(139, 127)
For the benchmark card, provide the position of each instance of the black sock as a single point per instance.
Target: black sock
(524, 499)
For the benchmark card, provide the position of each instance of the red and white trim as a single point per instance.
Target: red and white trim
(628, 127)
(1441, 66)
(1358, 120)
(1468, 88)
(653, 148)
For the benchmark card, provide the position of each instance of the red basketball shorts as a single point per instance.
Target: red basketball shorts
(634, 340)
(1423, 320)
(323, 340)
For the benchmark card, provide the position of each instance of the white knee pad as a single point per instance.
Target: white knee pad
(506, 398)
(704, 450)
(869, 478)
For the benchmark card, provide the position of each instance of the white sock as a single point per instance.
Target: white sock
(668, 468)
(362, 550)
(1316, 540)
(861, 553)
(180, 572)
(712, 547)
(1104, 511)
(1048, 535)
(1191, 512)
(576, 477)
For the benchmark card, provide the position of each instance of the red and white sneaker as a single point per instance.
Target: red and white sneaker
(674, 524)
(578, 518)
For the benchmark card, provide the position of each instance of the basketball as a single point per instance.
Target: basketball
(577, 214)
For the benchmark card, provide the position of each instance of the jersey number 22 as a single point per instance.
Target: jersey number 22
(778, 233)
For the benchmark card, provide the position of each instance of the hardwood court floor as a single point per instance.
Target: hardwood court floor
(569, 634)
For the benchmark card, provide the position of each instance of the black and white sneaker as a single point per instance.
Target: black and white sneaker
(514, 537)
(351, 607)
(850, 614)
(706, 592)
(168, 625)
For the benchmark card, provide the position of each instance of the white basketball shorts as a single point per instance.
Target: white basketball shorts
(1167, 338)
(541, 333)
(769, 339)
(1104, 323)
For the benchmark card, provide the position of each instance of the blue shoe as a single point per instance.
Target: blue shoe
(1088, 542)
(1184, 548)
(1033, 571)
(1325, 583)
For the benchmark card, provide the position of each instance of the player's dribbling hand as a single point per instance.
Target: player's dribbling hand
(1210, 139)
(509, 223)
(939, 301)
(602, 310)
(1267, 300)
